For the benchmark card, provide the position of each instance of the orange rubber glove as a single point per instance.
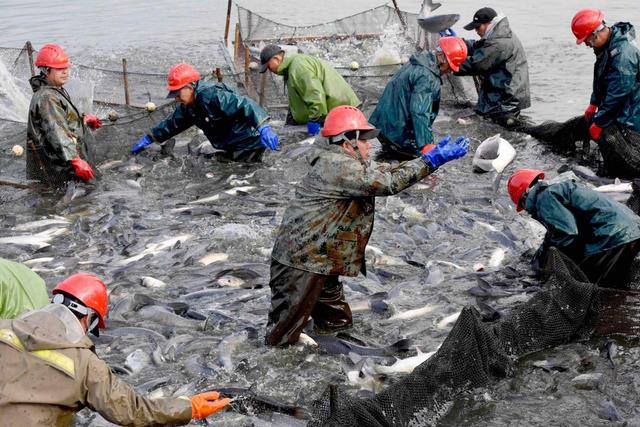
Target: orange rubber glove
(205, 404)
(82, 169)
(92, 121)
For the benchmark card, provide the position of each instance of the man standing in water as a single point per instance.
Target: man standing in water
(57, 150)
(314, 87)
(49, 368)
(411, 100)
(325, 229)
(499, 60)
(600, 235)
(231, 122)
(613, 114)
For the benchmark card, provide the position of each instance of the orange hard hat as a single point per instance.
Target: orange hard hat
(52, 55)
(88, 289)
(181, 75)
(519, 182)
(345, 118)
(455, 50)
(586, 22)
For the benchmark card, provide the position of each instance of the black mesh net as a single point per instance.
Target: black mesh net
(473, 353)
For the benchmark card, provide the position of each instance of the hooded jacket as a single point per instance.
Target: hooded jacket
(55, 134)
(616, 79)
(21, 290)
(49, 371)
(579, 221)
(328, 224)
(314, 88)
(499, 59)
(229, 120)
(410, 104)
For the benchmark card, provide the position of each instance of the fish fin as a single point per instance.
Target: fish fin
(352, 339)
(434, 6)
(418, 351)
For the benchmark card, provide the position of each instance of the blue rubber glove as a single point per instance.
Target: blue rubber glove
(446, 151)
(448, 33)
(141, 144)
(268, 138)
(313, 128)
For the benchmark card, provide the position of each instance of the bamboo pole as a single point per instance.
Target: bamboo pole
(404, 24)
(247, 59)
(226, 26)
(236, 46)
(29, 47)
(263, 84)
(218, 74)
(126, 81)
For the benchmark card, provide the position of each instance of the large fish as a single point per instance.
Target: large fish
(403, 366)
(245, 401)
(435, 23)
(335, 345)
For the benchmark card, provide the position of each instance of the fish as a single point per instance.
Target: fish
(610, 351)
(214, 198)
(306, 340)
(213, 257)
(447, 321)
(155, 248)
(373, 303)
(497, 256)
(412, 314)
(363, 377)
(239, 278)
(549, 366)
(616, 187)
(150, 282)
(55, 220)
(245, 401)
(485, 290)
(162, 315)
(35, 261)
(335, 345)
(493, 154)
(196, 366)
(228, 345)
(137, 361)
(609, 412)
(38, 240)
(378, 257)
(404, 366)
(437, 23)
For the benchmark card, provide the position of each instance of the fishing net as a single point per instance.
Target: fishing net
(473, 353)
(366, 48)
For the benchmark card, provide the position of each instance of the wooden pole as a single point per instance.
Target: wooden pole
(404, 24)
(218, 74)
(263, 84)
(30, 55)
(247, 59)
(236, 46)
(126, 81)
(226, 26)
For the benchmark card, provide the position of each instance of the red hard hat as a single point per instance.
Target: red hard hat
(88, 289)
(586, 22)
(344, 118)
(455, 50)
(52, 55)
(181, 75)
(519, 182)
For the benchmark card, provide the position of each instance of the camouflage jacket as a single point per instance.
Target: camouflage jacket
(327, 226)
(55, 134)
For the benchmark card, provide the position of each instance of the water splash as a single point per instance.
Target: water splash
(14, 103)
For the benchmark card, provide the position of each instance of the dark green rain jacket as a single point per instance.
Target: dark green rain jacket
(410, 104)
(229, 120)
(500, 61)
(616, 79)
(21, 290)
(55, 134)
(579, 221)
(314, 88)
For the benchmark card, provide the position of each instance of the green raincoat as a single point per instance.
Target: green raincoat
(21, 290)
(314, 88)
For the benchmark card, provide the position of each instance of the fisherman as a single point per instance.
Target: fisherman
(613, 114)
(58, 142)
(411, 100)
(325, 229)
(49, 368)
(499, 60)
(314, 86)
(599, 234)
(232, 122)
(21, 289)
